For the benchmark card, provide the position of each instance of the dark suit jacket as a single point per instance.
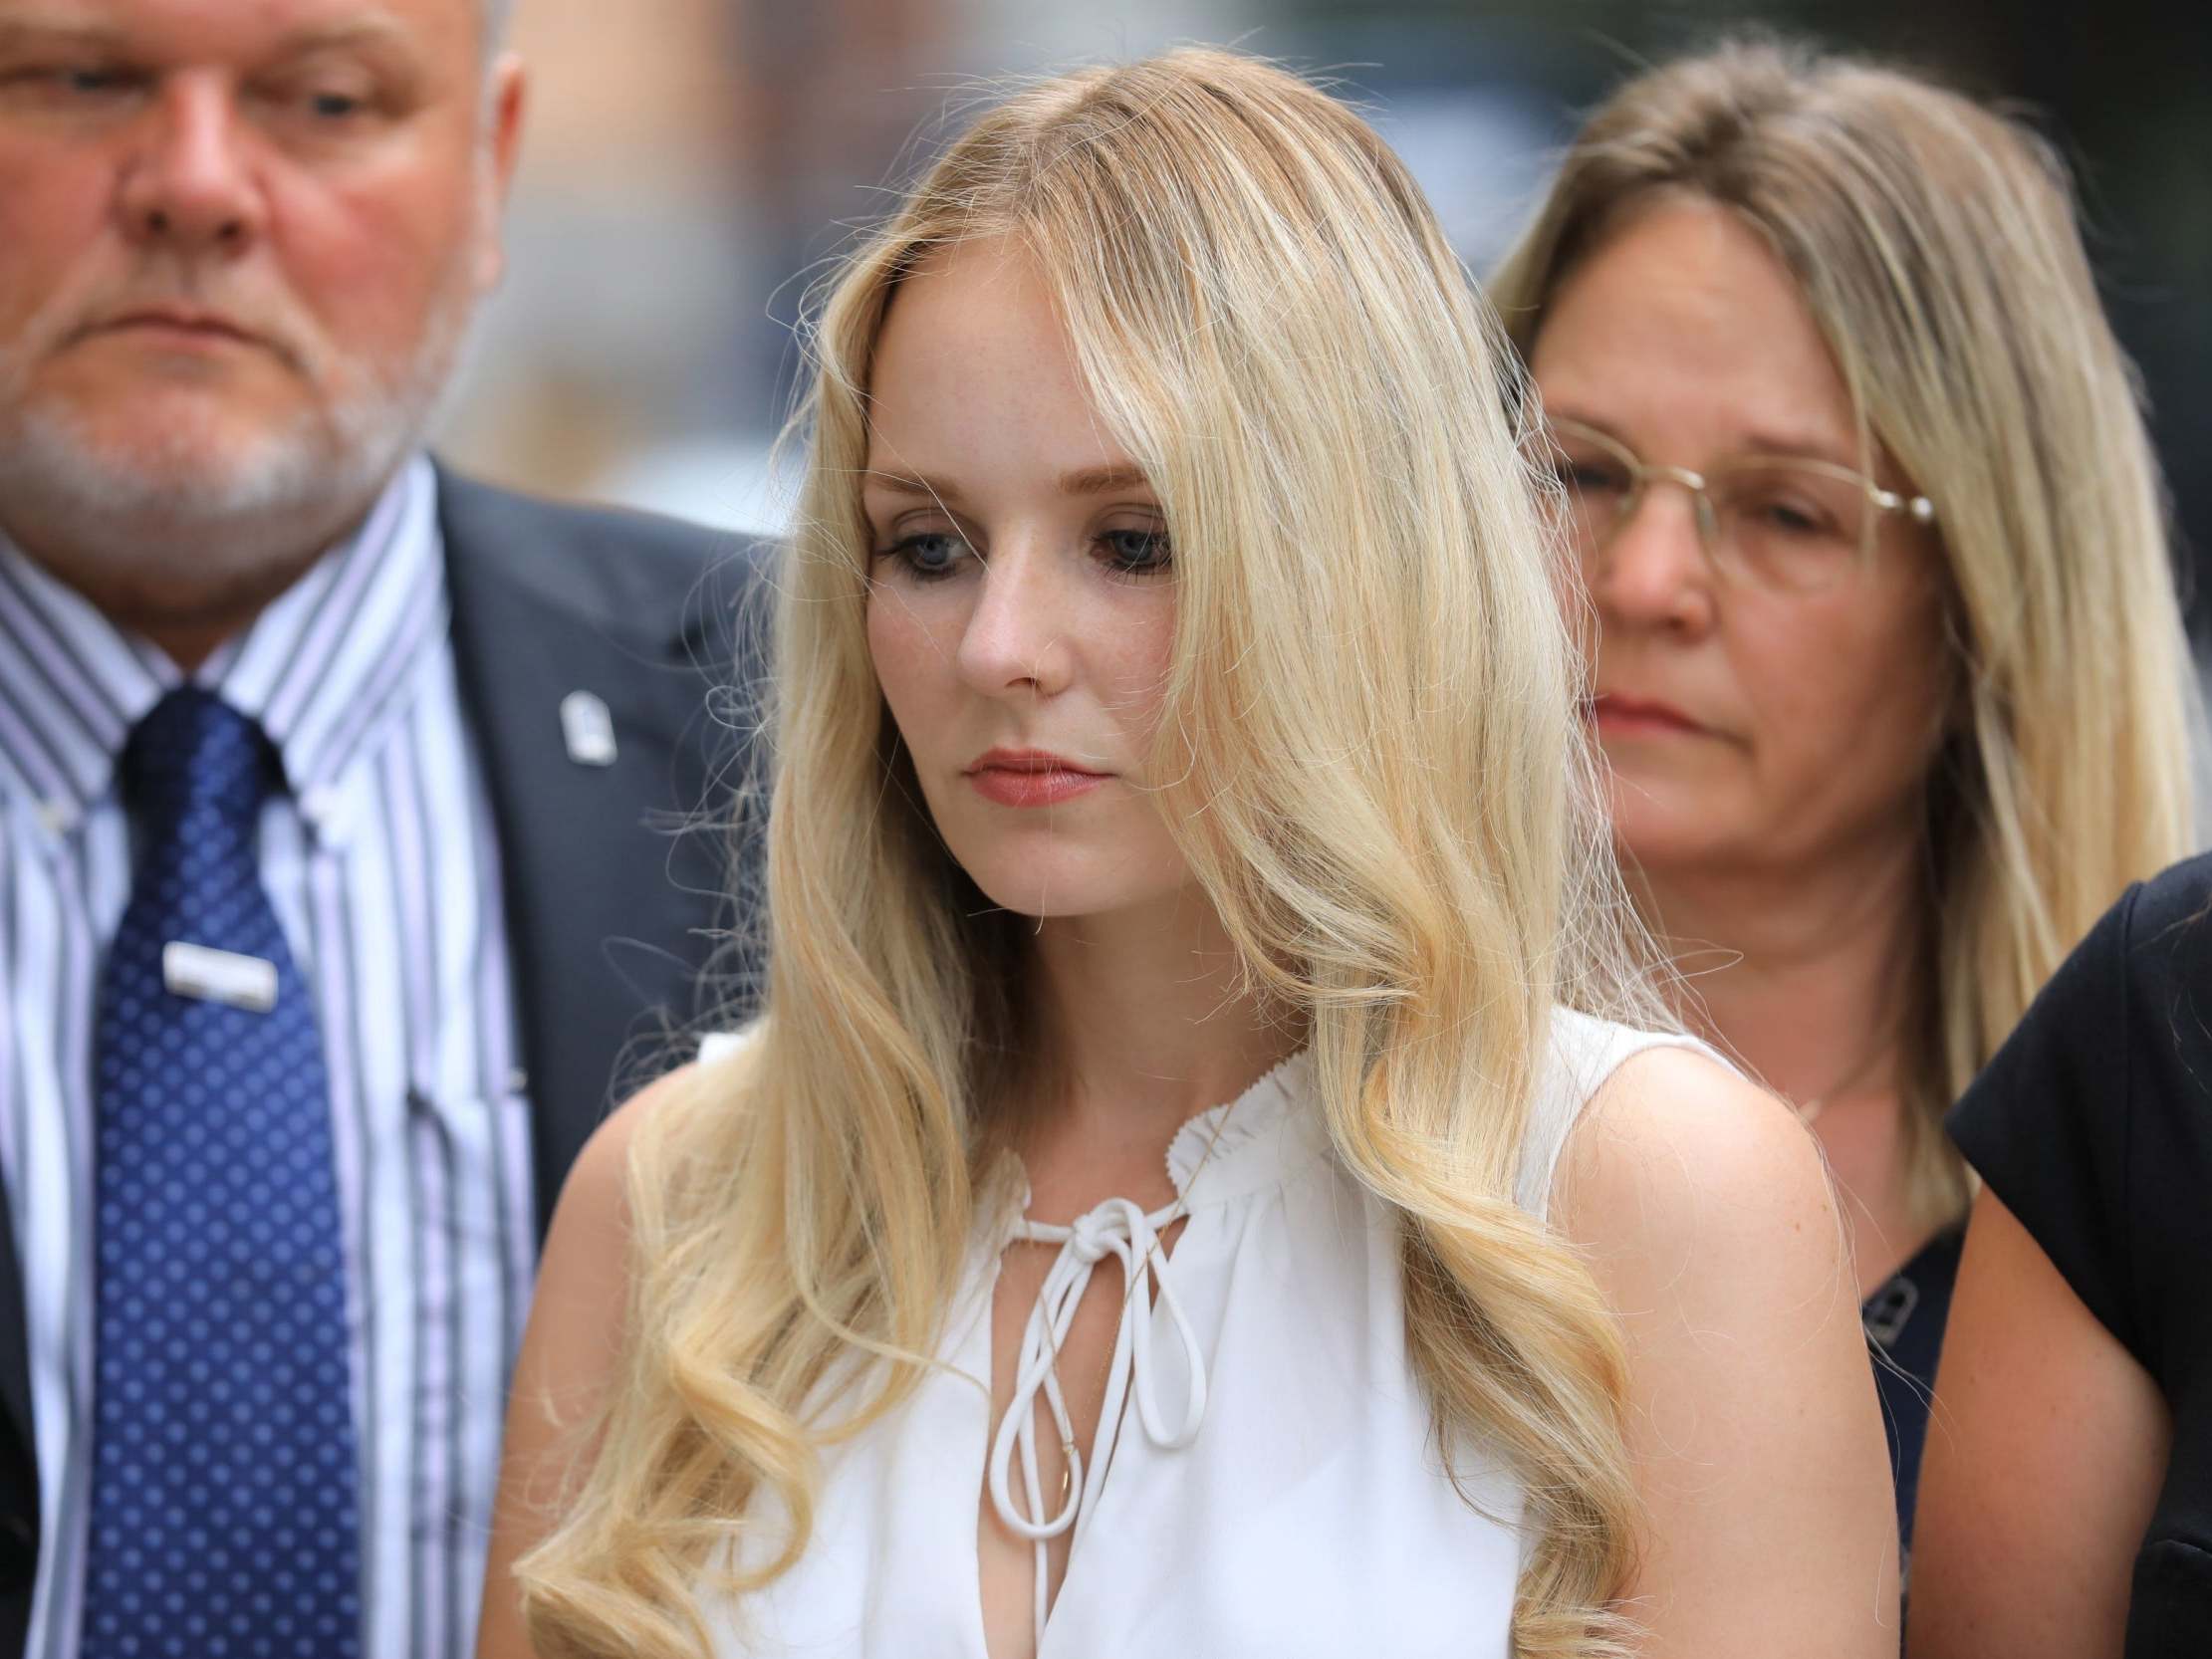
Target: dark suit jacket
(611, 913)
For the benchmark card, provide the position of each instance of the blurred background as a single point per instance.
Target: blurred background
(693, 165)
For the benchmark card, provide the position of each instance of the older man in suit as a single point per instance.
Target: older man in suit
(334, 802)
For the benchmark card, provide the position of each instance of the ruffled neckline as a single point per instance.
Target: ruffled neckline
(1262, 1138)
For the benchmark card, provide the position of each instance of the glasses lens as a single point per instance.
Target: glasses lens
(1791, 527)
(1596, 483)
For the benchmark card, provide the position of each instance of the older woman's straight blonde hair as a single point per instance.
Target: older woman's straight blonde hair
(1936, 249)
(1374, 772)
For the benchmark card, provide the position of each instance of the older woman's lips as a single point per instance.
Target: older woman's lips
(1636, 717)
(1030, 778)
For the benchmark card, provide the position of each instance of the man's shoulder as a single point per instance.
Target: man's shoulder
(609, 565)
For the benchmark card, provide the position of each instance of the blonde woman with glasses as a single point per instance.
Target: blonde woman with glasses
(1886, 662)
(1199, 1186)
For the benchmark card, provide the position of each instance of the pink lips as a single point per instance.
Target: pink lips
(1030, 778)
(1640, 717)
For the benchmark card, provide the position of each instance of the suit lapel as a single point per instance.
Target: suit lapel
(14, 1346)
(605, 906)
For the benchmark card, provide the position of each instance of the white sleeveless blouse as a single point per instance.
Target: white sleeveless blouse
(1270, 1483)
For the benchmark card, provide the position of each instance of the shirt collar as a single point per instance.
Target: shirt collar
(325, 668)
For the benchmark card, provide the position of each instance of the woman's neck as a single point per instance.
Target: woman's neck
(1800, 982)
(1148, 1026)
(1808, 979)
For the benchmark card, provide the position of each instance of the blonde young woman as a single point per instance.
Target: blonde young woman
(1886, 659)
(1185, 1193)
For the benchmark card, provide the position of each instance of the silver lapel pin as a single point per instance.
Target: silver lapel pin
(588, 729)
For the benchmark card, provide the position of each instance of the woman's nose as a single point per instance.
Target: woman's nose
(1652, 569)
(1017, 637)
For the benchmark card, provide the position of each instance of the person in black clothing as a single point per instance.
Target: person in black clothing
(1884, 652)
(2066, 1506)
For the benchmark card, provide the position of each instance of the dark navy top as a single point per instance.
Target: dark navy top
(1904, 1321)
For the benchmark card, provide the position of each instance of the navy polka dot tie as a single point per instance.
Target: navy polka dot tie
(223, 1493)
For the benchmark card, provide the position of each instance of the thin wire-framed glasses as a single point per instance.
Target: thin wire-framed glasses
(1788, 523)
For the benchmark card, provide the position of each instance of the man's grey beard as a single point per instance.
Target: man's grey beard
(138, 512)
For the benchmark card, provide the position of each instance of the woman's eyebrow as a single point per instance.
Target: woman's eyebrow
(1759, 442)
(906, 483)
(1099, 480)
(1086, 481)
(1801, 444)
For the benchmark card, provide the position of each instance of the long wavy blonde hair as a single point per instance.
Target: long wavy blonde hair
(1935, 245)
(1378, 779)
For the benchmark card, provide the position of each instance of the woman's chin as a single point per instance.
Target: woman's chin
(1659, 841)
(1075, 888)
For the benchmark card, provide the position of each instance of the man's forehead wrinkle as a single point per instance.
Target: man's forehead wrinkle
(18, 30)
(48, 24)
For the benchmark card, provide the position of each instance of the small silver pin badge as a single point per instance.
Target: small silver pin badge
(588, 729)
(219, 976)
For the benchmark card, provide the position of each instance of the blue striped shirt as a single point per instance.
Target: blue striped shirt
(383, 864)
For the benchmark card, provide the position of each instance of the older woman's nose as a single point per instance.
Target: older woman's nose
(1653, 569)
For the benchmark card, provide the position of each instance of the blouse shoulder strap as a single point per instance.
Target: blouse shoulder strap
(1582, 1053)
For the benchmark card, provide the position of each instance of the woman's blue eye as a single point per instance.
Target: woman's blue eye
(1137, 551)
(929, 556)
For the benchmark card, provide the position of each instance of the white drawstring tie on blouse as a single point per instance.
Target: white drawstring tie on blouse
(1119, 1228)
